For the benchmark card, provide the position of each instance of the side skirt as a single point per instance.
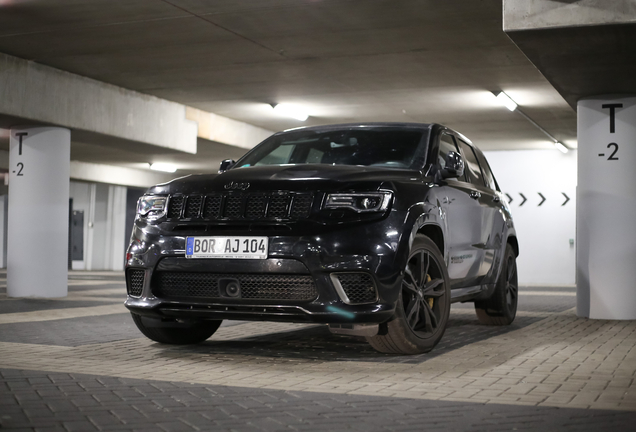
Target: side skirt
(467, 294)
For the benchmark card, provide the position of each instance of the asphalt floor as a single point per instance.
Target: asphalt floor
(80, 364)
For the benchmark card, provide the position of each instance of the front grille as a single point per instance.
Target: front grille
(301, 206)
(212, 206)
(278, 205)
(135, 282)
(235, 206)
(193, 206)
(358, 287)
(205, 286)
(175, 206)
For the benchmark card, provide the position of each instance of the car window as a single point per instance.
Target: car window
(485, 168)
(280, 155)
(472, 166)
(389, 148)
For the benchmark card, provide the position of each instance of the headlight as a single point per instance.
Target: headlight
(152, 207)
(359, 202)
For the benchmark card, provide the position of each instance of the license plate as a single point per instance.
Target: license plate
(238, 247)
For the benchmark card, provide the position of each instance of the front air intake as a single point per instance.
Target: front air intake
(135, 282)
(355, 288)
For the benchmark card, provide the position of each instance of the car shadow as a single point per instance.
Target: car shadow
(317, 343)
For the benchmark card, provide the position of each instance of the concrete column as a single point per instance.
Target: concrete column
(606, 206)
(39, 167)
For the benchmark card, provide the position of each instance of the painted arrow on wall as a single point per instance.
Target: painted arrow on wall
(542, 199)
(567, 198)
(524, 199)
(509, 199)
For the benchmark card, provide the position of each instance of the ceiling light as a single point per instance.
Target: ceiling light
(290, 111)
(165, 167)
(561, 147)
(505, 100)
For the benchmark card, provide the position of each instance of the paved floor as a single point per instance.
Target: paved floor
(79, 364)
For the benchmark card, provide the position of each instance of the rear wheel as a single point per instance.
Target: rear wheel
(501, 308)
(423, 307)
(175, 333)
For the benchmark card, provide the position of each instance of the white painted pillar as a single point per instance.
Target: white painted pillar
(606, 208)
(39, 169)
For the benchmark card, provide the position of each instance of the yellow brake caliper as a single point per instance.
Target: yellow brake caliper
(430, 300)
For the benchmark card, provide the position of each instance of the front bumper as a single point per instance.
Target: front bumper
(371, 249)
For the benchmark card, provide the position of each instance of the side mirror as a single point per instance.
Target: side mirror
(226, 165)
(454, 166)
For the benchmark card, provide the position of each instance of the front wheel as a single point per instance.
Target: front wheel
(423, 307)
(501, 308)
(175, 333)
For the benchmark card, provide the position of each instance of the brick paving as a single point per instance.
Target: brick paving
(64, 368)
(64, 402)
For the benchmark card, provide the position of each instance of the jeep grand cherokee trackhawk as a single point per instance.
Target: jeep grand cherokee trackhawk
(374, 229)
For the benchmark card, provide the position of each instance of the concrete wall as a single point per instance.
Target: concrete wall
(534, 14)
(544, 232)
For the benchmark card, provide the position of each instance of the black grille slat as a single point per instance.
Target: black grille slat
(358, 287)
(212, 207)
(256, 205)
(175, 206)
(193, 206)
(176, 286)
(233, 207)
(135, 282)
(301, 206)
(278, 206)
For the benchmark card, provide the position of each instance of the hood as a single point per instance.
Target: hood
(306, 177)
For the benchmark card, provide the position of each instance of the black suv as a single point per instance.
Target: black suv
(374, 229)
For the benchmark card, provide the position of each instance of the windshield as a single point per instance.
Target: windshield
(391, 148)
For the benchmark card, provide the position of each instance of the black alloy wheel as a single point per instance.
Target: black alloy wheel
(423, 306)
(501, 308)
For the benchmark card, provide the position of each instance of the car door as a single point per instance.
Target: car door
(463, 222)
(485, 196)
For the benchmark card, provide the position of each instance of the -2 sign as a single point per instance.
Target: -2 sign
(20, 165)
(612, 128)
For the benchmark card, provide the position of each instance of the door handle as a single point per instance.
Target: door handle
(496, 198)
(475, 195)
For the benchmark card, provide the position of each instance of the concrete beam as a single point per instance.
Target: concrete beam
(583, 48)
(226, 131)
(107, 115)
(109, 174)
(31, 93)
(541, 14)
(116, 175)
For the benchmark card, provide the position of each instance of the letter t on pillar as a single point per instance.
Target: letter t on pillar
(37, 243)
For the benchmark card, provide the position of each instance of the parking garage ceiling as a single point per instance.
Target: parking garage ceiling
(342, 60)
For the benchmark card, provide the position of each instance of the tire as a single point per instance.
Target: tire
(501, 308)
(175, 333)
(423, 306)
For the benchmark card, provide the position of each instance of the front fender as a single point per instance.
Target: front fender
(419, 216)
